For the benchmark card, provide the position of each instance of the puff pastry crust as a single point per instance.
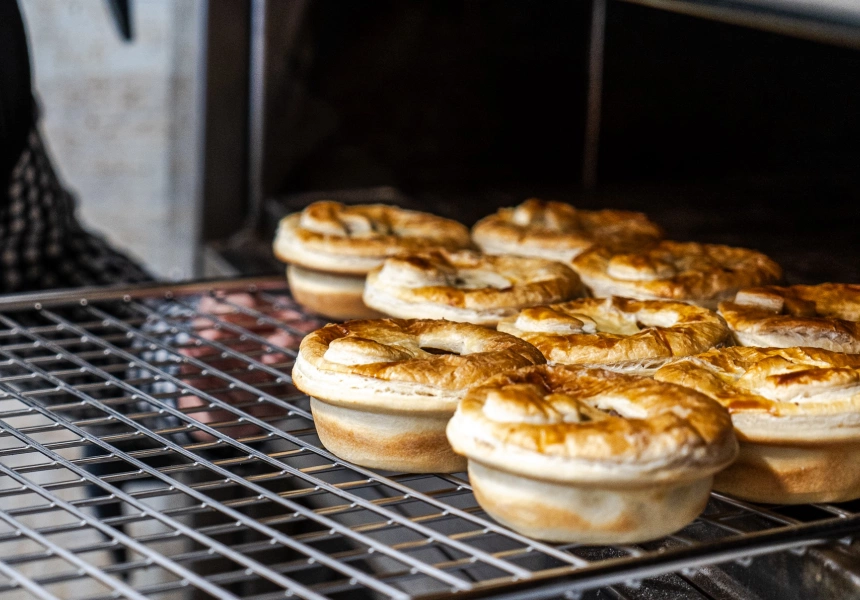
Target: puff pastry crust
(702, 274)
(620, 334)
(570, 453)
(336, 238)
(821, 316)
(383, 390)
(334, 296)
(796, 412)
(559, 231)
(466, 286)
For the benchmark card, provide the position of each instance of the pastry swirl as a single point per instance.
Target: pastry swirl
(702, 274)
(570, 423)
(466, 286)
(570, 453)
(558, 231)
(336, 238)
(796, 412)
(821, 316)
(778, 394)
(620, 334)
(382, 391)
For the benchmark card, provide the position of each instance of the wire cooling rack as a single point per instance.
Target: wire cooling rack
(151, 446)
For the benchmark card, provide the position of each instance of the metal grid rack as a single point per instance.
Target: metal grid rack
(151, 445)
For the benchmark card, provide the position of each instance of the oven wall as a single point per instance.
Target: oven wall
(732, 135)
(721, 133)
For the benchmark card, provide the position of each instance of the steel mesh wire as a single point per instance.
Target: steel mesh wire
(151, 445)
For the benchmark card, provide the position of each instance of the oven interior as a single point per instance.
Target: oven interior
(725, 121)
(733, 130)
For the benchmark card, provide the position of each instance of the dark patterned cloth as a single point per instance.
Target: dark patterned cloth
(42, 245)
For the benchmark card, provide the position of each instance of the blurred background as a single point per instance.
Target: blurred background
(731, 121)
(122, 119)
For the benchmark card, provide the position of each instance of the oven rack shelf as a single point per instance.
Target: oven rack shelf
(151, 446)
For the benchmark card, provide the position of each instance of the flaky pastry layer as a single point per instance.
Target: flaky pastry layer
(466, 286)
(331, 295)
(329, 236)
(404, 365)
(618, 333)
(558, 231)
(821, 316)
(777, 395)
(702, 274)
(578, 424)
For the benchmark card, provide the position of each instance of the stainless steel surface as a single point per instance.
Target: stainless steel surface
(829, 21)
(275, 28)
(594, 98)
(256, 110)
(89, 422)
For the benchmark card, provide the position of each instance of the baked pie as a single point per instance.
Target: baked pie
(575, 454)
(702, 274)
(330, 247)
(620, 334)
(821, 316)
(382, 391)
(796, 412)
(558, 231)
(466, 286)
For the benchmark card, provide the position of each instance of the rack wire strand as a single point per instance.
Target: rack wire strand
(151, 444)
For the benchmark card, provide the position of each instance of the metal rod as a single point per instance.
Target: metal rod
(113, 533)
(432, 535)
(283, 539)
(275, 431)
(98, 359)
(125, 292)
(256, 111)
(26, 583)
(596, 43)
(58, 550)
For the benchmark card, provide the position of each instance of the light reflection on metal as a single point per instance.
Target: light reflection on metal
(596, 45)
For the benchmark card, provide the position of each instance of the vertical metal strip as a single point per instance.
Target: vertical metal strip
(256, 110)
(596, 43)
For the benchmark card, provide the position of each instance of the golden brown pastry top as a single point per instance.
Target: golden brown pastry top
(334, 237)
(434, 355)
(583, 424)
(702, 274)
(476, 286)
(559, 231)
(638, 335)
(778, 393)
(823, 316)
